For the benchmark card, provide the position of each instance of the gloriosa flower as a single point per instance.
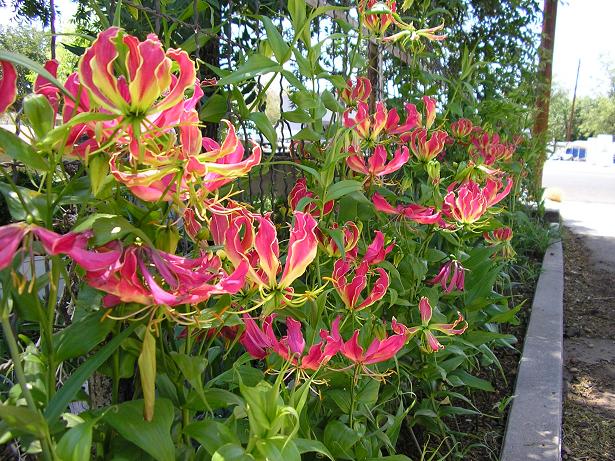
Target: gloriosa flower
(202, 162)
(410, 34)
(8, 86)
(462, 128)
(369, 128)
(355, 92)
(412, 211)
(488, 148)
(261, 251)
(350, 292)
(376, 164)
(377, 23)
(501, 237)
(429, 342)
(300, 191)
(146, 86)
(451, 276)
(470, 202)
(134, 274)
(259, 342)
(350, 238)
(425, 149)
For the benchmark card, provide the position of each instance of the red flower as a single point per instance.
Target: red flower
(378, 351)
(414, 212)
(146, 85)
(300, 191)
(425, 149)
(355, 92)
(350, 292)
(451, 276)
(470, 202)
(377, 165)
(8, 86)
(259, 342)
(350, 233)
(462, 128)
(378, 23)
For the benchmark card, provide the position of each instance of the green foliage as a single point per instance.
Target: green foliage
(171, 320)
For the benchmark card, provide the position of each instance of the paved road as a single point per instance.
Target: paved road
(588, 204)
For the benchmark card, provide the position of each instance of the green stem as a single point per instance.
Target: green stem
(48, 328)
(21, 378)
(353, 395)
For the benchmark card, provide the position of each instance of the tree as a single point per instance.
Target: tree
(30, 42)
(559, 113)
(597, 116)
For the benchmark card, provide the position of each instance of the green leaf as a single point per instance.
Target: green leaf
(211, 434)
(19, 150)
(23, 419)
(35, 67)
(307, 134)
(311, 171)
(368, 395)
(297, 116)
(257, 64)
(82, 336)
(312, 446)
(108, 227)
(261, 406)
(338, 237)
(298, 17)
(341, 398)
(278, 44)
(305, 99)
(391, 458)
(60, 132)
(212, 399)
(231, 452)
(40, 114)
(214, 108)
(153, 437)
(340, 439)
(473, 381)
(75, 49)
(331, 102)
(147, 373)
(342, 188)
(76, 443)
(35, 203)
(264, 125)
(72, 385)
(507, 315)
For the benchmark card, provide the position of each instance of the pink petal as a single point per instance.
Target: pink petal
(425, 310)
(295, 339)
(302, 247)
(8, 86)
(11, 236)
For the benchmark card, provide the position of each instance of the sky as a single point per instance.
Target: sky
(585, 30)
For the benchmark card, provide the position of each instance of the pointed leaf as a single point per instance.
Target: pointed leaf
(18, 149)
(153, 437)
(147, 373)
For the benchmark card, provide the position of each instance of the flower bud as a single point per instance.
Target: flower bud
(433, 171)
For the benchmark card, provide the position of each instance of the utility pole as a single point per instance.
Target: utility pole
(545, 73)
(574, 99)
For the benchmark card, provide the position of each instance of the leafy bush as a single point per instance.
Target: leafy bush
(227, 333)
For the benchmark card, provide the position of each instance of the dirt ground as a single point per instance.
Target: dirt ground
(589, 348)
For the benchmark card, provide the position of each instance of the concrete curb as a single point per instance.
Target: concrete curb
(534, 427)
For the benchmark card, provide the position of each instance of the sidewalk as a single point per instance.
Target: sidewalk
(588, 214)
